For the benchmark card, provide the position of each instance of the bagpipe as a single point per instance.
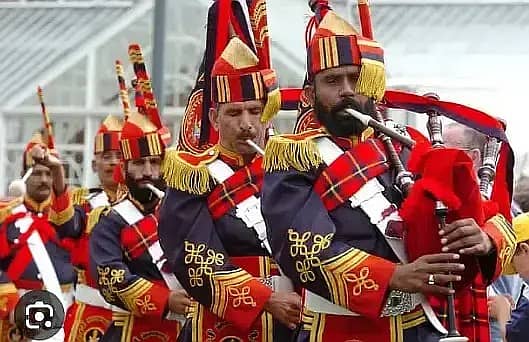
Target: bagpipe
(437, 180)
(445, 182)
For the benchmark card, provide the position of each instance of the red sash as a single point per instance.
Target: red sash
(23, 255)
(349, 172)
(244, 183)
(137, 238)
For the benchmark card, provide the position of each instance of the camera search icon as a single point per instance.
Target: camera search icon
(39, 315)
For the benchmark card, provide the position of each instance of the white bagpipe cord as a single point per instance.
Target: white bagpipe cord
(17, 188)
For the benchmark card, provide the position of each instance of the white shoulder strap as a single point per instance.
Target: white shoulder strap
(220, 170)
(99, 200)
(128, 212)
(249, 210)
(41, 258)
(373, 203)
(133, 215)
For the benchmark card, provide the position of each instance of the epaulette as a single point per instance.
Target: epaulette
(297, 151)
(79, 196)
(6, 206)
(94, 215)
(186, 171)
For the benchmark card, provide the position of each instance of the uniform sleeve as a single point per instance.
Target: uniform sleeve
(116, 283)
(504, 241)
(189, 240)
(8, 296)
(69, 220)
(518, 327)
(302, 238)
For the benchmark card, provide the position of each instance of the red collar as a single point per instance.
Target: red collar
(349, 143)
(231, 158)
(35, 207)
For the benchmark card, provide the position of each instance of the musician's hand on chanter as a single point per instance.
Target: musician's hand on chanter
(179, 302)
(285, 307)
(465, 237)
(415, 276)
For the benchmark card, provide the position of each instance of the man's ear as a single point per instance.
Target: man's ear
(310, 95)
(94, 165)
(524, 248)
(476, 157)
(214, 118)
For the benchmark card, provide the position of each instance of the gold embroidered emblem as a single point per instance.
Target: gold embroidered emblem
(145, 305)
(361, 281)
(195, 256)
(242, 296)
(310, 256)
(108, 278)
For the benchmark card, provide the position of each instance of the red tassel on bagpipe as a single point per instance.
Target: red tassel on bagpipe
(503, 184)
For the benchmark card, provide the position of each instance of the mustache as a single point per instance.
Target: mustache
(246, 135)
(145, 179)
(347, 103)
(44, 187)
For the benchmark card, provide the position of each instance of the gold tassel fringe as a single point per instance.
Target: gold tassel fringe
(282, 153)
(93, 217)
(372, 80)
(183, 176)
(272, 106)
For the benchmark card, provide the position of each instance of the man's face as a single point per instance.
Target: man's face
(454, 136)
(333, 90)
(521, 260)
(39, 184)
(238, 121)
(104, 164)
(140, 172)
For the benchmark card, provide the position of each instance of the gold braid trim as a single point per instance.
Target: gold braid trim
(93, 217)
(6, 210)
(78, 196)
(135, 297)
(181, 174)
(60, 218)
(372, 79)
(7, 288)
(282, 153)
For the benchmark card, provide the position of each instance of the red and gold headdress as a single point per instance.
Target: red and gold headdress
(108, 135)
(237, 77)
(142, 135)
(246, 20)
(332, 42)
(336, 43)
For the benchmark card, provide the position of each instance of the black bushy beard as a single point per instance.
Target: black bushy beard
(342, 125)
(142, 194)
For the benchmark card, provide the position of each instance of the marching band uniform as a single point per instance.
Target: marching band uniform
(333, 208)
(90, 315)
(33, 252)
(210, 226)
(124, 252)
